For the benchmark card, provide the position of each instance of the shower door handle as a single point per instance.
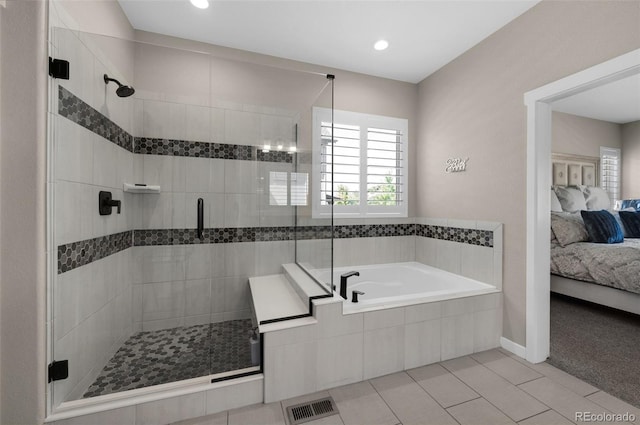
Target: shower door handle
(200, 219)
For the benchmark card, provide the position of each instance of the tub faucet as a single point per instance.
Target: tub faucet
(343, 283)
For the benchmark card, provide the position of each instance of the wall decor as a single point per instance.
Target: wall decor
(456, 165)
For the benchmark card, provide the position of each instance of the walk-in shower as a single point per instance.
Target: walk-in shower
(210, 160)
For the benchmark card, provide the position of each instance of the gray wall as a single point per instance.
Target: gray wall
(22, 213)
(576, 135)
(474, 107)
(103, 17)
(631, 160)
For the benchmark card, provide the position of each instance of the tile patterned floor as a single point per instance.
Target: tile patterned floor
(493, 388)
(159, 357)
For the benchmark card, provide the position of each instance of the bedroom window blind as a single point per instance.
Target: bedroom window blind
(360, 169)
(610, 164)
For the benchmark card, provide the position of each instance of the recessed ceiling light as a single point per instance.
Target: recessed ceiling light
(381, 45)
(200, 4)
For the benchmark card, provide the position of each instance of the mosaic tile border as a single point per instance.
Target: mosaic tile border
(75, 109)
(262, 234)
(76, 254)
(456, 234)
(155, 237)
(374, 230)
(170, 147)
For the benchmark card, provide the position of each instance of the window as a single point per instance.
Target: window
(610, 172)
(361, 170)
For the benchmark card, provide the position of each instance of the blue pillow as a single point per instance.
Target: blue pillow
(630, 203)
(631, 222)
(602, 227)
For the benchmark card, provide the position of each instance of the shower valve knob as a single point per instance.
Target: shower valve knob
(354, 296)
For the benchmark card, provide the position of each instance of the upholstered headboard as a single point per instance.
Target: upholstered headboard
(573, 170)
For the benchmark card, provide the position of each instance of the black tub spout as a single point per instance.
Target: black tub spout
(343, 282)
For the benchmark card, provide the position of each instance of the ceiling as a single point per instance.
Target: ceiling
(423, 35)
(617, 102)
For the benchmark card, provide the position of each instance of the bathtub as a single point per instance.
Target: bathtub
(402, 284)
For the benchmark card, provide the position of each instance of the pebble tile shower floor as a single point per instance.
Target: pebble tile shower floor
(169, 355)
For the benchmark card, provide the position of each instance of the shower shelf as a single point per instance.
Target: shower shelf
(141, 188)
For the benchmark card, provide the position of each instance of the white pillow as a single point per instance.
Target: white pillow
(555, 203)
(596, 198)
(571, 198)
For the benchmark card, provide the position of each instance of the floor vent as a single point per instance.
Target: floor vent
(305, 412)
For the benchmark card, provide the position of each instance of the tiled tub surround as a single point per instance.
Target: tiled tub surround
(346, 348)
(469, 248)
(341, 349)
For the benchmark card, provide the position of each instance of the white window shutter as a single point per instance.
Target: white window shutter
(610, 172)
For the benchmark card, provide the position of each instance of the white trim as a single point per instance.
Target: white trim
(538, 104)
(512, 347)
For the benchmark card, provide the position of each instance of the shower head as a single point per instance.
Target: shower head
(122, 90)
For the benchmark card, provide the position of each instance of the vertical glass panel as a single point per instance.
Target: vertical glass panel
(314, 236)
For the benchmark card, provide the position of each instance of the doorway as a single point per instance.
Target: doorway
(539, 109)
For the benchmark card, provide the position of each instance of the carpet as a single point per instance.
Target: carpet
(597, 344)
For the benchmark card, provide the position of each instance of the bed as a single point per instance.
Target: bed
(602, 273)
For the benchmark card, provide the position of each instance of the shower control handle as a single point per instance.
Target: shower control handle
(106, 203)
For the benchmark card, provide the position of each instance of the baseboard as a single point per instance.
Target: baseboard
(512, 347)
